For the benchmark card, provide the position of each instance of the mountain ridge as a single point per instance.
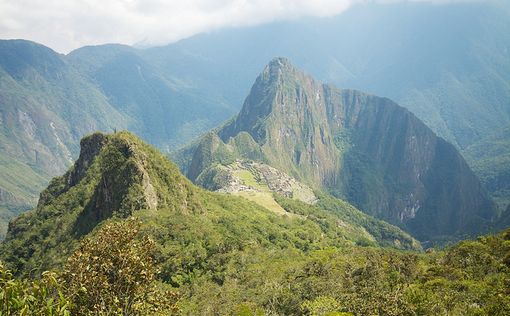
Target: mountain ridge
(366, 149)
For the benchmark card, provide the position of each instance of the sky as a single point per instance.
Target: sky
(65, 25)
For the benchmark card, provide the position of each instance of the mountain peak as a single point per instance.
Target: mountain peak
(274, 92)
(280, 70)
(18, 57)
(364, 148)
(118, 174)
(279, 65)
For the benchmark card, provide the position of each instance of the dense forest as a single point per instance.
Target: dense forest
(154, 243)
(469, 278)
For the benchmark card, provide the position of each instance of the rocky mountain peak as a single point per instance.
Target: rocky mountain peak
(90, 147)
(364, 148)
(118, 174)
(277, 90)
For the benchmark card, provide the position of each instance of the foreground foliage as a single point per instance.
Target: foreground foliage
(471, 278)
(114, 273)
(39, 297)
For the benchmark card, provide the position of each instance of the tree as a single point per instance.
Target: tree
(113, 272)
(40, 297)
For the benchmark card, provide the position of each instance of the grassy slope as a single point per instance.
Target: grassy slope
(263, 196)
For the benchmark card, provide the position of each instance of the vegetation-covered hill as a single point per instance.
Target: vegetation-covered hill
(490, 159)
(221, 254)
(119, 176)
(46, 107)
(367, 149)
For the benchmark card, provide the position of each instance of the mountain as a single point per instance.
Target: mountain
(46, 106)
(366, 149)
(49, 101)
(490, 158)
(166, 110)
(448, 64)
(117, 176)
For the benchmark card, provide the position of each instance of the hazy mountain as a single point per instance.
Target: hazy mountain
(490, 158)
(166, 110)
(118, 176)
(364, 148)
(46, 106)
(449, 64)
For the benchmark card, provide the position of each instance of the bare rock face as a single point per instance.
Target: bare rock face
(363, 148)
(90, 148)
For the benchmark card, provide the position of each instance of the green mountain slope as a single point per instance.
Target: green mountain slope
(118, 176)
(490, 158)
(166, 111)
(46, 106)
(364, 148)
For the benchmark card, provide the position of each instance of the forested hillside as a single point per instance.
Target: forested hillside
(189, 251)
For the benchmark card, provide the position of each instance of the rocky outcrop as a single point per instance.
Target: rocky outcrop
(115, 175)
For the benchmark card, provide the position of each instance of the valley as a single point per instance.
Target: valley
(332, 158)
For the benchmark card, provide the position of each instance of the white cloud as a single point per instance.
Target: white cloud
(68, 24)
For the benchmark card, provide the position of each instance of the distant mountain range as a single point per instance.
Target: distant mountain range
(449, 65)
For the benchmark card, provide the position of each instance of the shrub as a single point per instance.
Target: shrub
(113, 273)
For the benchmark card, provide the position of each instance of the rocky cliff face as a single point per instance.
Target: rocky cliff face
(364, 148)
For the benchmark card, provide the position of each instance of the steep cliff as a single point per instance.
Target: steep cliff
(360, 147)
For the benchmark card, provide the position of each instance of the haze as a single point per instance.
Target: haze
(66, 25)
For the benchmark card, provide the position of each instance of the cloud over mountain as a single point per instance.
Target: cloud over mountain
(66, 25)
